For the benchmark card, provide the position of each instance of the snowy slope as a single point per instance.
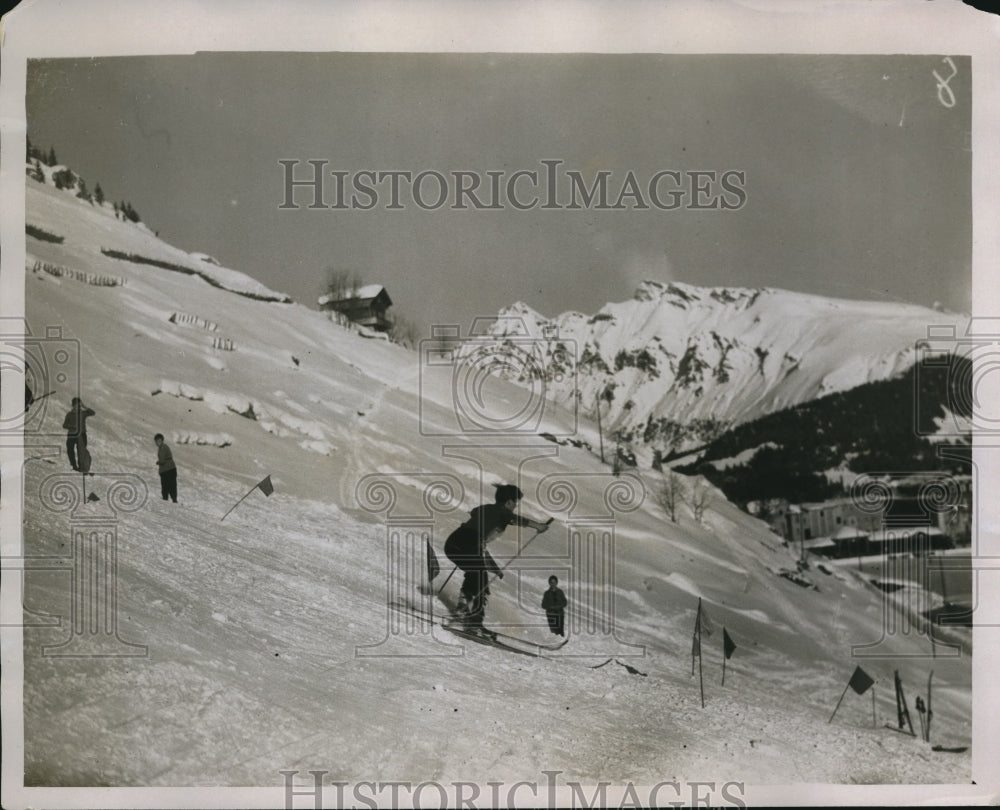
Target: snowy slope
(252, 624)
(82, 222)
(677, 364)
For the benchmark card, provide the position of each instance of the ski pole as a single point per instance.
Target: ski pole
(453, 570)
(504, 568)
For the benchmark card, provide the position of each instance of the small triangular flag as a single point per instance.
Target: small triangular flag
(706, 622)
(433, 568)
(265, 486)
(728, 645)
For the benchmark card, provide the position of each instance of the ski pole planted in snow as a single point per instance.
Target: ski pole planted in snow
(930, 714)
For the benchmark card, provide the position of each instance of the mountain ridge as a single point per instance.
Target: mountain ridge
(677, 364)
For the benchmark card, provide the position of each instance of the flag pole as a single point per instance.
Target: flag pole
(723, 668)
(236, 504)
(839, 702)
(694, 637)
(701, 680)
(873, 706)
(239, 502)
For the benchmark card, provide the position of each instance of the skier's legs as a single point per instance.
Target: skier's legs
(71, 451)
(475, 595)
(469, 585)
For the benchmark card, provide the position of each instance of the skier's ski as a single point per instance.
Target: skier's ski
(502, 640)
(514, 639)
(487, 637)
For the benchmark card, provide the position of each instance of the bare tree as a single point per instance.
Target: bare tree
(341, 283)
(700, 498)
(404, 332)
(671, 494)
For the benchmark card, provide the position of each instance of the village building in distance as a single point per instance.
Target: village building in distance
(364, 306)
(912, 518)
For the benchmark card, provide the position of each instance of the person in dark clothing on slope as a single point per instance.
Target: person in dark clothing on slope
(466, 547)
(75, 425)
(168, 470)
(554, 605)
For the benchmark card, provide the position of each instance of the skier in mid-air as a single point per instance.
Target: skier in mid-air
(466, 547)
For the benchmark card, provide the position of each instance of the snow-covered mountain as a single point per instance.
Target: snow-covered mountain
(255, 628)
(676, 364)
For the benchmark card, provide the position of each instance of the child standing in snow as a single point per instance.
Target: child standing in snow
(466, 547)
(554, 605)
(75, 425)
(168, 470)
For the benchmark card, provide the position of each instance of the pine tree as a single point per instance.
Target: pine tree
(99, 194)
(129, 213)
(83, 193)
(52, 156)
(64, 178)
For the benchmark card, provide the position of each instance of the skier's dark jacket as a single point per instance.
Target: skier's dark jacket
(466, 546)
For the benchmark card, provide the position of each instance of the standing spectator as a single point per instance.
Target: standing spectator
(554, 605)
(168, 470)
(75, 424)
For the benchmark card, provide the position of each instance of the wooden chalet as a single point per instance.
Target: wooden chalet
(365, 306)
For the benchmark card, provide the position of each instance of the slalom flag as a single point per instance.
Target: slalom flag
(433, 568)
(728, 645)
(696, 650)
(728, 648)
(861, 681)
(706, 622)
(264, 486)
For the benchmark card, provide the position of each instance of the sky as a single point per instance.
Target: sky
(846, 176)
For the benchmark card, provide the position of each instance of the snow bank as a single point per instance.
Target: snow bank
(213, 439)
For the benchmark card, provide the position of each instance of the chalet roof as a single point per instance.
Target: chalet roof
(366, 293)
(843, 533)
